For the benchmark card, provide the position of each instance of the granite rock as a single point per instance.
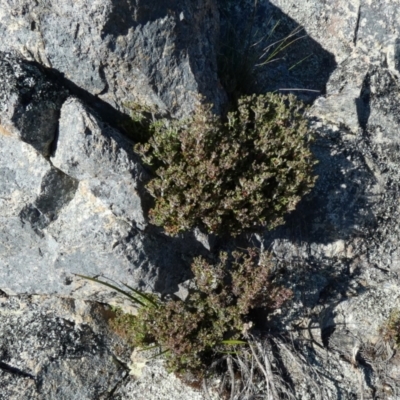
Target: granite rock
(73, 202)
(162, 54)
(29, 103)
(52, 348)
(81, 210)
(340, 248)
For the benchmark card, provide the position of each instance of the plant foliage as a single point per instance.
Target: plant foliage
(390, 332)
(226, 176)
(214, 315)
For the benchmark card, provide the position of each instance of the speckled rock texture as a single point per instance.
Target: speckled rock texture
(47, 354)
(29, 103)
(54, 348)
(72, 198)
(81, 210)
(340, 249)
(160, 53)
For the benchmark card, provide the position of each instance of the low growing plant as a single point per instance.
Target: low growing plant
(390, 332)
(213, 318)
(227, 176)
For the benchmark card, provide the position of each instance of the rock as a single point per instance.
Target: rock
(86, 148)
(162, 54)
(79, 211)
(22, 171)
(90, 151)
(53, 225)
(55, 348)
(343, 104)
(59, 348)
(29, 103)
(343, 298)
(265, 49)
(333, 25)
(74, 202)
(358, 34)
(158, 384)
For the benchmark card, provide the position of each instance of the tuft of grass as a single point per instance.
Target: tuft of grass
(244, 49)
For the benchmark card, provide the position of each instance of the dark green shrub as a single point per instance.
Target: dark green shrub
(228, 176)
(192, 331)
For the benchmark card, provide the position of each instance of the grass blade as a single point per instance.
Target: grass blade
(134, 299)
(142, 296)
(299, 62)
(156, 346)
(233, 342)
(159, 354)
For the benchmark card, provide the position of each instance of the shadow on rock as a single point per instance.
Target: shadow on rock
(311, 248)
(339, 205)
(108, 113)
(173, 258)
(363, 103)
(270, 52)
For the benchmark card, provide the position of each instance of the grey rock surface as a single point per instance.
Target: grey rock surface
(340, 248)
(157, 53)
(55, 349)
(91, 152)
(29, 103)
(73, 202)
(79, 211)
(157, 384)
(63, 349)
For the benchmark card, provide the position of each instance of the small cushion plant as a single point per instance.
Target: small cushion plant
(214, 315)
(226, 176)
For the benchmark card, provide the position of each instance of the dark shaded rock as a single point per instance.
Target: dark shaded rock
(29, 103)
(56, 190)
(263, 49)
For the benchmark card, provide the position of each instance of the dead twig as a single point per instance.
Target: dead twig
(267, 370)
(205, 390)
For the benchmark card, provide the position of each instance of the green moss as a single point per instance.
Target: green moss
(227, 176)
